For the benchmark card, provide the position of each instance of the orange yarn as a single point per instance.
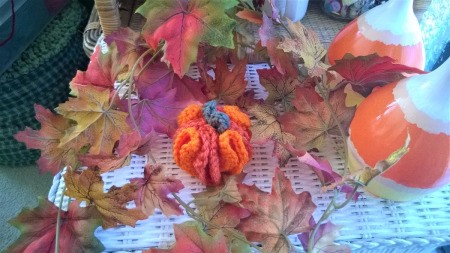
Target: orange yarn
(212, 140)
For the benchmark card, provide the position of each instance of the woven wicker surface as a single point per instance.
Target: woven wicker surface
(369, 225)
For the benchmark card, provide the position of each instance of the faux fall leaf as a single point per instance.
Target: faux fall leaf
(227, 85)
(162, 96)
(284, 62)
(53, 127)
(366, 72)
(211, 197)
(183, 25)
(190, 237)
(276, 215)
(161, 76)
(153, 191)
(267, 127)
(110, 62)
(280, 87)
(120, 157)
(88, 186)
(305, 43)
(313, 121)
(38, 229)
(321, 167)
(96, 120)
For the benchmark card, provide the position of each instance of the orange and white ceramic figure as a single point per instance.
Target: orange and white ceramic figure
(420, 106)
(390, 29)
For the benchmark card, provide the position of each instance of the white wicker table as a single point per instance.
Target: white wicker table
(369, 225)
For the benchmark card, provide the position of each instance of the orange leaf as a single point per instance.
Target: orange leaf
(276, 215)
(54, 156)
(228, 85)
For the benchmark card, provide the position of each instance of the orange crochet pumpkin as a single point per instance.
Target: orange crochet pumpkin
(212, 140)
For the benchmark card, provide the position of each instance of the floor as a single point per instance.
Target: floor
(19, 188)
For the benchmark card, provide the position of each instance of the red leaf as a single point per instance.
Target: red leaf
(183, 25)
(191, 238)
(47, 139)
(275, 215)
(284, 62)
(158, 74)
(153, 190)
(38, 229)
(366, 72)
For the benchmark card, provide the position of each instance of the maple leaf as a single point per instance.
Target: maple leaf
(190, 237)
(248, 100)
(224, 216)
(53, 127)
(153, 190)
(366, 72)
(161, 76)
(324, 239)
(38, 229)
(88, 186)
(280, 87)
(227, 85)
(127, 143)
(313, 121)
(110, 63)
(183, 25)
(276, 215)
(96, 120)
(268, 127)
(305, 44)
(162, 96)
(270, 38)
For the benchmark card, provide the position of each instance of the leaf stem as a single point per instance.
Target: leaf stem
(332, 206)
(191, 212)
(149, 61)
(58, 221)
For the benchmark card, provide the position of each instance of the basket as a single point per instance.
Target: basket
(39, 76)
(369, 225)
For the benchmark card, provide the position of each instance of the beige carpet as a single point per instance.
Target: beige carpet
(19, 187)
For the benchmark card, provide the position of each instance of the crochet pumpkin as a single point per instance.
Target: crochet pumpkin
(212, 140)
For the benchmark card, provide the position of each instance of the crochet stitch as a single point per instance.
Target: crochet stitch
(212, 140)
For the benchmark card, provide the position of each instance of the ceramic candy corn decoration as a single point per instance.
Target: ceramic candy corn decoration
(390, 29)
(420, 106)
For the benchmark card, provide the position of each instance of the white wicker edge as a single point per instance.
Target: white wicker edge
(369, 225)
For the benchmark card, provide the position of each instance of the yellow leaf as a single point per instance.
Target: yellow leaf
(304, 43)
(88, 186)
(352, 97)
(96, 121)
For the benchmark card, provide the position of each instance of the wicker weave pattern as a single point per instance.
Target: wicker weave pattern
(369, 225)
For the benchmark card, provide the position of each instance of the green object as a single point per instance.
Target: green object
(41, 75)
